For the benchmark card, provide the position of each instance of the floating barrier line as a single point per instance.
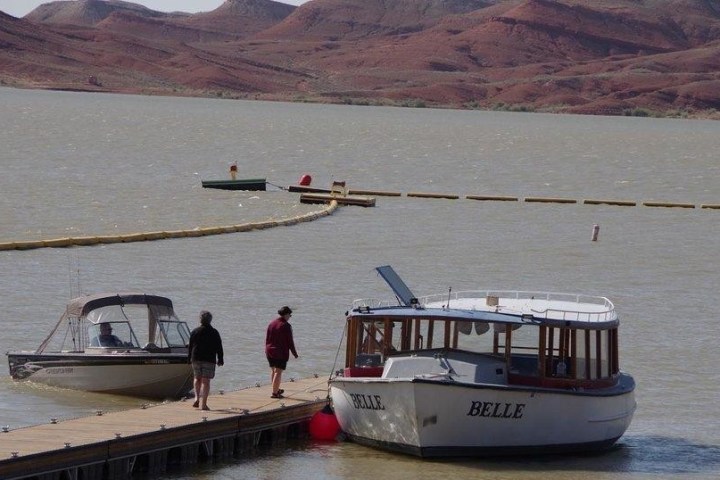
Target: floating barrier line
(668, 204)
(373, 192)
(433, 195)
(504, 198)
(492, 198)
(167, 234)
(549, 200)
(620, 203)
(246, 227)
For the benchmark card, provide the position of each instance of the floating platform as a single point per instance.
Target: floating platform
(116, 445)
(352, 191)
(252, 184)
(304, 189)
(356, 200)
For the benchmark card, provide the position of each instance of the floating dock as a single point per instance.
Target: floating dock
(114, 445)
(357, 200)
(307, 189)
(351, 191)
(251, 184)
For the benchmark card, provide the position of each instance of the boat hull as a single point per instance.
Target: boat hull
(444, 418)
(158, 376)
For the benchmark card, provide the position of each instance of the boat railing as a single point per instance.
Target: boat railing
(372, 303)
(603, 310)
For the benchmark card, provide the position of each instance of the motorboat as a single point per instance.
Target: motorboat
(95, 347)
(482, 373)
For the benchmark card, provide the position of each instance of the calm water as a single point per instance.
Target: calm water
(84, 164)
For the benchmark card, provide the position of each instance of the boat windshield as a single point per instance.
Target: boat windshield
(112, 335)
(172, 333)
(117, 318)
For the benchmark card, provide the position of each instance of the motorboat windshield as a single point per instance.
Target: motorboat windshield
(172, 333)
(112, 335)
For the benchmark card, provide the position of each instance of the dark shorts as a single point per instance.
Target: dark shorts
(276, 363)
(203, 369)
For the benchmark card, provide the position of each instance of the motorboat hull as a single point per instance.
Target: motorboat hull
(148, 375)
(431, 418)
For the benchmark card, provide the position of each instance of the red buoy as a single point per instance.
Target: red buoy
(305, 180)
(324, 425)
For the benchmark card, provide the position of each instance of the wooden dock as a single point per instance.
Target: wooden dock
(114, 445)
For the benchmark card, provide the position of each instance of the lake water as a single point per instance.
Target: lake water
(78, 164)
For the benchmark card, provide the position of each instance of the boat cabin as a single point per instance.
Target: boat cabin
(542, 339)
(97, 323)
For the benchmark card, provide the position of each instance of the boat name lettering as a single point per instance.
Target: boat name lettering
(366, 402)
(156, 362)
(59, 370)
(496, 410)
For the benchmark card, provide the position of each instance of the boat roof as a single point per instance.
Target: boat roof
(497, 306)
(513, 308)
(81, 306)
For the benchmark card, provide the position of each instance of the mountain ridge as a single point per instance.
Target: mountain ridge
(571, 56)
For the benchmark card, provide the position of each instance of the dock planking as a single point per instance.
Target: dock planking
(120, 437)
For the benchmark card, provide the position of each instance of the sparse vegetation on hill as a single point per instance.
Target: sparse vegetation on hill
(614, 57)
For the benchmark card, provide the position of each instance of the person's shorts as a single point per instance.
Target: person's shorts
(203, 369)
(275, 363)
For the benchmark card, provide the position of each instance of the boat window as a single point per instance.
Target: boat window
(135, 315)
(604, 358)
(479, 337)
(581, 356)
(67, 336)
(172, 334)
(112, 335)
(591, 352)
(377, 337)
(522, 339)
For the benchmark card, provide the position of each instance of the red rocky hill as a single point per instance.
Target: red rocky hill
(580, 56)
(86, 12)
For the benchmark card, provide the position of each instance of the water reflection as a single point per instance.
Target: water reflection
(633, 457)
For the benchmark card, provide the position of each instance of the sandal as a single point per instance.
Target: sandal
(196, 404)
(277, 395)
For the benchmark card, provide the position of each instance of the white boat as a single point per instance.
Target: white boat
(94, 347)
(483, 373)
